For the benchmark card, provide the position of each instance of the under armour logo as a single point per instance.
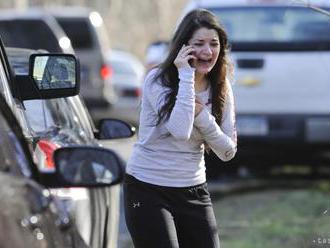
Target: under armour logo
(136, 205)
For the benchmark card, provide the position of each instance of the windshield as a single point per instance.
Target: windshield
(122, 67)
(300, 27)
(78, 31)
(33, 34)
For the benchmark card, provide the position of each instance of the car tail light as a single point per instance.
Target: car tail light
(106, 71)
(138, 92)
(44, 154)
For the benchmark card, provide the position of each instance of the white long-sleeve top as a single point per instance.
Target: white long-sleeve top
(172, 152)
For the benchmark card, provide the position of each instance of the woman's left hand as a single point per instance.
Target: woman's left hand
(198, 106)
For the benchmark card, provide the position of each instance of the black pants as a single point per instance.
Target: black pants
(169, 217)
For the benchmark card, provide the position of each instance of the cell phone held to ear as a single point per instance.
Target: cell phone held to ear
(191, 61)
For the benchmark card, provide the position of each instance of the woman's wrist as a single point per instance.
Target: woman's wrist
(186, 74)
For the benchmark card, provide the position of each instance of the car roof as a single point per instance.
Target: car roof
(231, 3)
(194, 4)
(120, 55)
(69, 11)
(12, 14)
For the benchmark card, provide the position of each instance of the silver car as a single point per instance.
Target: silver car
(90, 41)
(128, 76)
(61, 122)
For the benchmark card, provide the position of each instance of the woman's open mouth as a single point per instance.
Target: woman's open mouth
(204, 61)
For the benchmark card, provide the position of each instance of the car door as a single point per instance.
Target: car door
(104, 202)
(32, 214)
(29, 216)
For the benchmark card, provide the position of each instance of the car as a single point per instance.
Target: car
(281, 85)
(53, 123)
(155, 53)
(15, 29)
(90, 40)
(30, 215)
(33, 29)
(127, 78)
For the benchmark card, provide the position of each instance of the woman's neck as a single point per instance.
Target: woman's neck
(201, 83)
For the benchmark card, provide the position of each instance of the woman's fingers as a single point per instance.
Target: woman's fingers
(187, 50)
(198, 106)
(183, 57)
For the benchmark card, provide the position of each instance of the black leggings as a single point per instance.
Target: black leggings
(169, 217)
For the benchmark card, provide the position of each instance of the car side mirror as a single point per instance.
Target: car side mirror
(85, 166)
(114, 129)
(50, 76)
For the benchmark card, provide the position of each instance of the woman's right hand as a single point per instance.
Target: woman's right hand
(183, 57)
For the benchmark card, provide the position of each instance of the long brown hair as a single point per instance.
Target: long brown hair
(168, 73)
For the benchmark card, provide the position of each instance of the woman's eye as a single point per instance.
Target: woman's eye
(198, 44)
(215, 44)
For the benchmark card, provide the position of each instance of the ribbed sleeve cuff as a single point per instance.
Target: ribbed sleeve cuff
(187, 75)
(202, 120)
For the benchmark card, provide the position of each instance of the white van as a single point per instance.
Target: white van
(281, 53)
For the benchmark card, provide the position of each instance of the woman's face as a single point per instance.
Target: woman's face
(206, 49)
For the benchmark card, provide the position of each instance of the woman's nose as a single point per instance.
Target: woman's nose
(207, 49)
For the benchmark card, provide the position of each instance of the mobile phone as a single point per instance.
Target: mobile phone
(191, 61)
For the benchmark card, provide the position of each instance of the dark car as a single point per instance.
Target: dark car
(20, 88)
(58, 122)
(30, 216)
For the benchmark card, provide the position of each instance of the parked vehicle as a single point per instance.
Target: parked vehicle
(128, 76)
(90, 40)
(280, 51)
(156, 53)
(33, 29)
(47, 128)
(36, 28)
(30, 215)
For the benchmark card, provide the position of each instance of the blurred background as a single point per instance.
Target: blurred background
(98, 32)
(132, 25)
(276, 192)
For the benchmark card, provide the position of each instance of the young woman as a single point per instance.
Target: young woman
(187, 105)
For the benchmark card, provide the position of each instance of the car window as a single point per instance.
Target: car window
(34, 34)
(79, 32)
(121, 67)
(80, 110)
(52, 114)
(274, 24)
(11, 153)
(14, 104)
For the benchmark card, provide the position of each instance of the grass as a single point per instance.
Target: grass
(275, 218)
